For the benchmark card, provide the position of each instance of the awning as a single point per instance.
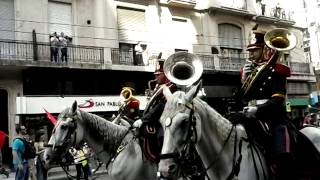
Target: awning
(298, 101)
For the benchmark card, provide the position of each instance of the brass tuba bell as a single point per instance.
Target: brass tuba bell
(183, 68)
(126, 93)
(280, 39)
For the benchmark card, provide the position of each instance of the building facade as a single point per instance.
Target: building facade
(106, 40)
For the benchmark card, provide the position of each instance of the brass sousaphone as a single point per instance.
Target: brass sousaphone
(181, 68)
(277, 41)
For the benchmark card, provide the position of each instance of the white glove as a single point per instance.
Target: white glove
(248, 67)
(250, 111)
(137, 123)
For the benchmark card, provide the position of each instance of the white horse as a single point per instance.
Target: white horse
(115, 145)
(222, 146)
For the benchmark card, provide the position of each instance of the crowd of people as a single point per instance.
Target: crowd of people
(58, 47)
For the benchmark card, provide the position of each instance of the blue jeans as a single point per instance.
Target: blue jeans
(22, 174)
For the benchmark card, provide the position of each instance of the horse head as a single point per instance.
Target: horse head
(66, 133)
(180, 131)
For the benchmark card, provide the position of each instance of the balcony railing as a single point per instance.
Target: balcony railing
(229, 62)
(125, 57)
(300, 68)
(28, 51)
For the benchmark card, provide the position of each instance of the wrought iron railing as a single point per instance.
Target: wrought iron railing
(29, 51)
(303, 68)
(16, 50)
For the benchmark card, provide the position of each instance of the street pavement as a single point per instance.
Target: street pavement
(58, 174)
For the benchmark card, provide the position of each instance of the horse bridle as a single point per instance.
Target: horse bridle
(185, 156)
(67, 140)
(181, 156)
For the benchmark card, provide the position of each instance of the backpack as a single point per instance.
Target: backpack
(29, 149)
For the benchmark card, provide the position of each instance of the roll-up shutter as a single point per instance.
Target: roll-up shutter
(181, 33)
(131, 24)
(7, 22)
(60, 18)
(230, 36)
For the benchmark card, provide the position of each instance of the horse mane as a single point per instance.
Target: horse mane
(203, 111)
(102, 128)
(222, 125)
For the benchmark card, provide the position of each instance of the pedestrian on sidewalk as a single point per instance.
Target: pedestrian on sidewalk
(20, 164)
(82, 165)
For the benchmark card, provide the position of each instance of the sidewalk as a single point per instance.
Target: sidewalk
(59, 174)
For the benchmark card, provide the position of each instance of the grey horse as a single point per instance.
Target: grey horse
(223, 147)
(115, 145)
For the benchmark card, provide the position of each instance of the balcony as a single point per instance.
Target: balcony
(275, 15)
(223, 62)
(301, 71)
(230, 7)
(27, 53)
(182, 3)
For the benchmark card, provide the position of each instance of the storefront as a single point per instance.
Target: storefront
(31, 111)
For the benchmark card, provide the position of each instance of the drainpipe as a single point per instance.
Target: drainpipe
(34, 45)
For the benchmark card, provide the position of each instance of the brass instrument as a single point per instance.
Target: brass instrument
(149, 92)
(126, 93)
(277, 41)
(183, 68)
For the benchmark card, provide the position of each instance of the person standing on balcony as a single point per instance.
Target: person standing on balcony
(63, 42)
(278, 10)
(263, 7)
(54, 47)
(139, 49)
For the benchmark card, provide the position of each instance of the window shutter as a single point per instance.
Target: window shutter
(131, 24)
(59, 15)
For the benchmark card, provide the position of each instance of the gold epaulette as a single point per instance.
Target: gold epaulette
(279, 95)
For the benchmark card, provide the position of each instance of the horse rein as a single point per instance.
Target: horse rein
(71, 129)
(186, 155)
(191, 130)
(179, 156)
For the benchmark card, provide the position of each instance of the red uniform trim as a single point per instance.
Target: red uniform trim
(283, 70)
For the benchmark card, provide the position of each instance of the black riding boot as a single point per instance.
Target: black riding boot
(283, 167)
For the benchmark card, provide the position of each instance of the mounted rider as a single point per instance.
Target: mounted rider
(129, 110)
(150, 129)
(264, 80)
(131, 107)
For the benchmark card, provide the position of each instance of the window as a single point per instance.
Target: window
(230, 39)
(230, 36)
(214, 50)
(131, 24)
(59, 15)
(7, 26)
(126, 53)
